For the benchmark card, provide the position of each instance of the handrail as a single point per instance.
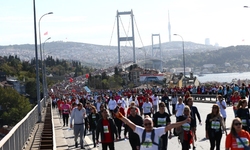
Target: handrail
(16, 127)
(53, 129)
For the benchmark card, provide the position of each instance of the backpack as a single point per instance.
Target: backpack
(152, 137)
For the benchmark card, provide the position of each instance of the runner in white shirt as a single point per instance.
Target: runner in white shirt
(124, 103)
(147, 108)
(111, 105)
(155, 99)
(135, 100)
(148, 142)
(179, 108)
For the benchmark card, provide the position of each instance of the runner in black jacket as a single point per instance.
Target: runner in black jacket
(134, 139)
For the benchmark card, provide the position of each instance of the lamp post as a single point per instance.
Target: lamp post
(45, 74)
(42, 56)
(183, 55)
(37, 71)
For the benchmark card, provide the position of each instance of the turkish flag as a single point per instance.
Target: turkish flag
(243, 40)
(46, 33)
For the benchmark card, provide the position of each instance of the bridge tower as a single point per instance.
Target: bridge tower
(125, 38)
(159, 47)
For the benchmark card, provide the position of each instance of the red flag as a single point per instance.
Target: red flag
(243, 40)
(66, 38)
(46, 33)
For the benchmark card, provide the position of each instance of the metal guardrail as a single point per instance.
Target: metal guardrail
(19, 134)
(53, 129)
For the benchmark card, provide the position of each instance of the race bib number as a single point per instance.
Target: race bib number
(93, 116)
(166, 101)
(147, 143)
(141, 100)
(244, 140)
(215, 125)
(106, 129)
(244, 122)
(186, 127)
(162, 121)
(65, 110)
(235, 104)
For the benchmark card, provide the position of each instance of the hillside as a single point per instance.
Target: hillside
(236, 56)
(99, 56)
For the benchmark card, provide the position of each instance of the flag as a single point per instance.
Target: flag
(66, 38)
(46, 33)
(243, 40)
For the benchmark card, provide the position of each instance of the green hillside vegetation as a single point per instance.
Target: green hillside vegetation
(236, 56)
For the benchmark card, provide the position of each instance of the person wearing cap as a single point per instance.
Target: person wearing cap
(118, 122)
(134, 100)
(78, 115)
(141, 100)
(124, 104)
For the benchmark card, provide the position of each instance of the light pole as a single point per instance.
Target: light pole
(183, 55)
(45, 74)
(42, 56)
(37, 71)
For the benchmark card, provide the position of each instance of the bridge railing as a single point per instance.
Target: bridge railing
(19, 134)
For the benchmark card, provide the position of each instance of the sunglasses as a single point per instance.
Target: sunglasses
(146, 124)
(162, 106)
(214, 107)
(236, 124)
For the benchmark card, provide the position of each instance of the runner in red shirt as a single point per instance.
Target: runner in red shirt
(235, 99)
(141, 100)
(107, 128)
(59, 105)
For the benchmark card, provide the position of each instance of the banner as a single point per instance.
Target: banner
(87, 89)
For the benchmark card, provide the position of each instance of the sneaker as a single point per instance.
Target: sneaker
(76, 144)
(82, 147)
(194, 148)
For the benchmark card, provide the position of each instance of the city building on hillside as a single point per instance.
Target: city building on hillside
(207, 41)
(2, 76)
(12, 82)
(227, 65)
(246, 65)
(176, 80)
(180, 70)
(125, 76)
(191, 81)
(135, 75)
(209, 65)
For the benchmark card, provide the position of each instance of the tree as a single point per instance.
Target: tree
(14, 105)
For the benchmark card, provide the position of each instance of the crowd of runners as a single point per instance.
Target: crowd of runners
(145, 116)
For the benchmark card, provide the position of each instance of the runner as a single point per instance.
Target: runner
(78, 115)
(174, 102)
(93, 119)
(162, 119)
(185, 131)
(155, 99)
(124, 103)
(147, 108)
(214, 123)
(243, 114)
(179, 108)
(65, 112)
(165, 99)
(108, 130)
(238, 138)
(149, 136)
(194, 113)
(111, 105)
(141, 100)
(222, 104)
(134, 139)
(118, 122)
(235, 99)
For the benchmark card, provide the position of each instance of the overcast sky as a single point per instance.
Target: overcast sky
(91, 21)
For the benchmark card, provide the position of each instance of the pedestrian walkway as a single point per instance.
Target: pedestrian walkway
(65, 137)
